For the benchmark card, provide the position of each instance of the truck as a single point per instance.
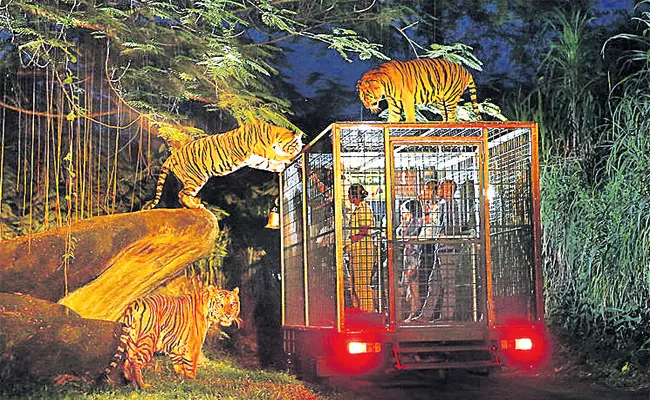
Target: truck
(462, 290)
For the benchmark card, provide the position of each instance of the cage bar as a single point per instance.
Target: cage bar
(440, 250)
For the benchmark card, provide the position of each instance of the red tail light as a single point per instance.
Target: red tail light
(361, 347)
(523, 345)
(354, 353)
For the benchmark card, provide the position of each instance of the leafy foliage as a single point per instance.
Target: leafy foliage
(458, 53)
(160, 54)
(157, 60)
(595, 214)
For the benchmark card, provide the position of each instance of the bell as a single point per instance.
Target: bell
(274, 217)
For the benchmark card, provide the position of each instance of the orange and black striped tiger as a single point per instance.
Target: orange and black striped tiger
(419, 81)
(258, 145)
(172, 325)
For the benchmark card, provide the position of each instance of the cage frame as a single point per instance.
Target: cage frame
(393, 333)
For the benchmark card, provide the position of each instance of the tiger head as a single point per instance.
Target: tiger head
(287, 144)
(223, 306)
(277, 143)
(371, 91)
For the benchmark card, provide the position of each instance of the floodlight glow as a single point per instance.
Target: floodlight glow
(356, 347)
(523, 344)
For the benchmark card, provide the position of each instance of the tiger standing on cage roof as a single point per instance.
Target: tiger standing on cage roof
(421, 81)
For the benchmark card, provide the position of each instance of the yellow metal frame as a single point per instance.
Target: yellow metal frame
(282, 264)
(537, 222)
(338, 226)
(389, 145)
(388, 190)
(485, 212)
(305, 255)
(477, 141)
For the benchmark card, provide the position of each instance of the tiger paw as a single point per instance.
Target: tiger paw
(191, 202)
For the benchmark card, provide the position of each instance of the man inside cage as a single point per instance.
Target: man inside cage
(324, 208)
(360, 247)
(439, 258)
(408, 231)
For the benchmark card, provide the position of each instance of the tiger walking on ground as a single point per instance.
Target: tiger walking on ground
(419, 81)
(258, 145)
(176, 326)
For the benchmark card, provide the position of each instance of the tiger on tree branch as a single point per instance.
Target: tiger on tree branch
(258, 145)
(419, 81)
(176, 326)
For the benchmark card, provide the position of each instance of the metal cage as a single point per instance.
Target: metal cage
(441, 241)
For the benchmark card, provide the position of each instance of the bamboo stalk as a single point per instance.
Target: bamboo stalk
(2, 151)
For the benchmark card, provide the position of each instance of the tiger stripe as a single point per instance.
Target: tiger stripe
(176, 326)
(419, 81)
(218, 155)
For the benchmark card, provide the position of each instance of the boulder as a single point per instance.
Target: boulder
(112, 259)
(41, 340)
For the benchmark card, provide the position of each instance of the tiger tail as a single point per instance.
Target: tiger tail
(119, 353)
(164, 171)
(472, 95)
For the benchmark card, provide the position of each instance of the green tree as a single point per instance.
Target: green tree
(159, 55)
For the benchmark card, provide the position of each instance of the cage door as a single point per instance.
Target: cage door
(436, 234)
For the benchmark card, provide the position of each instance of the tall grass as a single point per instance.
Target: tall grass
(596, 224)
(597, 244)
(571, 84)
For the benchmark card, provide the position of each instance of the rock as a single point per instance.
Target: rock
(116, 258)
(41, 340)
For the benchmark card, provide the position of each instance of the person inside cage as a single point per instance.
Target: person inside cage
(439, 258)
(429, 199)
(360, 247)
(409, 229)
(325, 207)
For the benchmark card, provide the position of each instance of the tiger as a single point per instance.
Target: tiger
(257, 145)
(176, 326)
(421, 81)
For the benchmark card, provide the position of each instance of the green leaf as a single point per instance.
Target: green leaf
(458, 52)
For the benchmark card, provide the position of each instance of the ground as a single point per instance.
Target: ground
(564, 377)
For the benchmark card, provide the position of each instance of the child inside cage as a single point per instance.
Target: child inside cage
(360, 248)
(410, 226)
(429, 198)
(439, 259)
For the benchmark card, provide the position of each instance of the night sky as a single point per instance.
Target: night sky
(308, 59)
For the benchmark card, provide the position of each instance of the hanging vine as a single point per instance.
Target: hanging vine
(86, 131)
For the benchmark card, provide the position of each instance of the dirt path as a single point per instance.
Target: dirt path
(461, 385)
